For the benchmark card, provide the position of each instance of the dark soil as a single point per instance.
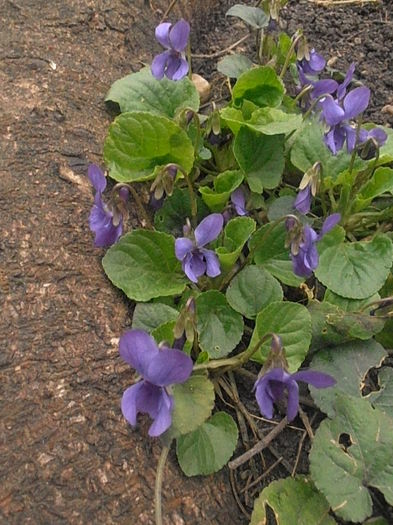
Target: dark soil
(67, 454)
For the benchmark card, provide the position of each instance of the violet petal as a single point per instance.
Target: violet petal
(356, 102)
(239, 202)
(169, 367)
(182, 69)
(101, 224)
(350, 134)
(329, 223)
(209, 229)
(213, 268)
(303, 200)
(314, 378)
(172, 65)
(342, 89)
(293, 400)
(162, 34)
(179, 34)
(299, 267)
(194, 266)
(159, 64)
(183, 246)
(332, 112)
(324, 87)
(379, 135)
(96, 177)
(163, 417)
(138, 349)
(129, 402)
(265, 402)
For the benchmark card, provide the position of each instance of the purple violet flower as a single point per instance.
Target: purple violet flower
(304, 253)
(303, 200)
(308, 71)
(314, 65)
(238, 201)
(337, 113)
(376, 134)
(197, 260)
(171, 62)
(271, 387)
(106, 221)
(159, 368)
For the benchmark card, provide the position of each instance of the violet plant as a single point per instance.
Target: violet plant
(229, 259)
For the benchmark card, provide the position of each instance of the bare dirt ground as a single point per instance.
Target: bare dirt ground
(67, 454)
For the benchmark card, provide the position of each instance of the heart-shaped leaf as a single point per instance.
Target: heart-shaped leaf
(351, 453)
(295, 501)
(138, 142)
(219, 327)
(209, 447)
(292, 322)
(348, 363)
(252, 289)
(142, 92)
(358, 269)
(144, 266)
(193, 404)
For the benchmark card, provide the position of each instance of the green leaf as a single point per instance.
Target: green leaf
(253, 16)
(232, 118)
(193, 404)
(252, 289)
(171, 217)
(294, 501)
(149, 316)
(143, 265)
(386, 336)
(268, 244)
(139, 142)
(309, 148)
(350, 305)
(292, 322)
(224, 184)
(380, 182)
(356, 270)
(219, 327)
(236, 234)
(281, 207)
(331, 325)
(383, 398)
(164, 332)
(209, 447)
(271, 121)
(344, 473)
(261, 157)
(142, 92)
(260, 85)
(348, 364)
(234, 65)
(378, 520)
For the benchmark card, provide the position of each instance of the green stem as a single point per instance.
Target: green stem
(138, 201)
(289, 55)
(193, 202)
(158, 485)
(198, 132)
(354, 152)
(233, 362)
(305, 90)
(189, 60)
